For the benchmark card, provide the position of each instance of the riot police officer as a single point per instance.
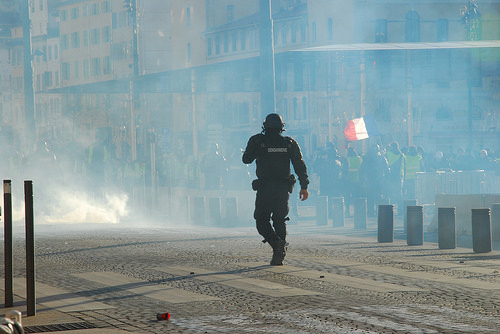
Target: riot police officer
(273, 153)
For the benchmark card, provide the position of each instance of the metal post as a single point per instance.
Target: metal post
(267, 67)
(214, 210)
(196, 209)
(322, 210)
(29, 93)
(338, 211)
(30, 249)
(406, 204)
(495, 222)
(447, 238)
(8, 257)
(386, 223)
(360, 213)
(415, 236)
(481, 230)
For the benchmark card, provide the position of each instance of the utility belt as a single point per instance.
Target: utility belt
(258, 184)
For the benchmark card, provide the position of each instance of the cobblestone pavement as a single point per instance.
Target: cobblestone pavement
(216, 280)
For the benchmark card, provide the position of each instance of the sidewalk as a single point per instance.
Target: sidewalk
(213, 280)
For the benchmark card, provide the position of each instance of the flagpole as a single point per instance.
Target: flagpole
(362, 79)
(409, 116)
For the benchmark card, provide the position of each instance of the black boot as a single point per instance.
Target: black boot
(279, 252)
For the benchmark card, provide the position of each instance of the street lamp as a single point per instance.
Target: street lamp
(470, 19)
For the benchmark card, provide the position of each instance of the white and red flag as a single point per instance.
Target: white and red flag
(360, 128)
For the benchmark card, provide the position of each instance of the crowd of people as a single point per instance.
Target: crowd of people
(388, 174)
(381, 174)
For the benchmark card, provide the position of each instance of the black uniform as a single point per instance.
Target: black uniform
(273, 154)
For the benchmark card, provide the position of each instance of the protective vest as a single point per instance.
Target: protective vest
(412, 166)
(392, 159)
(103, 155)
(353, 166)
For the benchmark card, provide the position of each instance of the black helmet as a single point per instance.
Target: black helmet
(273, 121)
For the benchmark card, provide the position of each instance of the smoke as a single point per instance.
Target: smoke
(80, 207)
(74, 207)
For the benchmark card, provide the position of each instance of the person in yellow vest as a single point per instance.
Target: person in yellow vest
(397, 162)
(350, 174)
(414, 165)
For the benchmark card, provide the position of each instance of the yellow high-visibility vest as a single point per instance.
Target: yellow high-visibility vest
(412, 166)
(353, 165)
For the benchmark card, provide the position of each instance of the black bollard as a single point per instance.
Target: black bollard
(495, 222)
(338, 211)
(415, 219)
(30, 248)
(360, 213)
(447, 238)
(8, 255)
(386, 223)
(214, 210)
(406, 204)
(231, 211)
(322, 210)
(481, 230)
(196, 210)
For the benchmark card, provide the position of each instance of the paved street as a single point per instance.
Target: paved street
(116, 278)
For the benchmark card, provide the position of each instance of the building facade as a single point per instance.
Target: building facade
(197, 64)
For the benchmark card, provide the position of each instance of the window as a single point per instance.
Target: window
(56, 76)
(188, 17)
(63, 14)
(65, 71)
(106, 65)
(75, 40)
(19, 54)
(85, 10)
(234, 40)
(96, 66)
(217, 44)
(381, 31)
(75, 13)
(94, 9)
(47, 79)
(243, 40)
(304, 107)
(313, 28)
(209, 46)
(412, 27)
(106, 34)
(330, 29)
(85, 38)
(230, 13)
(49, 52)
(294, 33)
(94, 36)
(119, 50)
(64, 42)
(295, 106)
(105, 7)
(443, 113)
(86, 69)
(226, 43)
(442, 30)
(77, 69)
(284, 29)
(303, 32)
(40, 4)
(56, 52)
